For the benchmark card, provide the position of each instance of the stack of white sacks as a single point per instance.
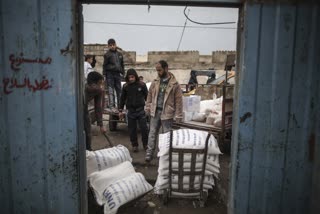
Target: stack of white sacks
(187, 139)
(206, 111)
(113, 178)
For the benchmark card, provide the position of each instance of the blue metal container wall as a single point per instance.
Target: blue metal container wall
(38, 107)
(276, 111)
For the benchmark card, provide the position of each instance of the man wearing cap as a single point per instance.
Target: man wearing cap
(164, 103)
(113, 69)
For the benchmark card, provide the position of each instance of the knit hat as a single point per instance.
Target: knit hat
(111, 41)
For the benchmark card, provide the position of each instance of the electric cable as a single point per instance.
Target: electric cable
(184, 27)
(201, 23)
(155, 25)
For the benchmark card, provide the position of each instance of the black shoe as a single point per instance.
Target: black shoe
(148, 158)
(135, 149)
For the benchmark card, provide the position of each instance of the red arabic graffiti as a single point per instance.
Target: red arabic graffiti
(10, 84)
(17, 61)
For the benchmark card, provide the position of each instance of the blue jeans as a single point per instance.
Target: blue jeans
(113, 83)
(155, 124)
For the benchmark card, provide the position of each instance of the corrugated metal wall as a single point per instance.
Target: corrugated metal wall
(276, 123)
(38, 106)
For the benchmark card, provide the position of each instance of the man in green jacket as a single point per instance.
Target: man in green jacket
(164, 103)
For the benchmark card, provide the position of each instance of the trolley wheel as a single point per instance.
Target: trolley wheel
(113, 124)
(165, 197)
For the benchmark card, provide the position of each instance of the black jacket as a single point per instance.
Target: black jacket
(113, 62)
(133, 96)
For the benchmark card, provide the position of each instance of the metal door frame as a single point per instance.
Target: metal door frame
(215, 3)
(240, 4)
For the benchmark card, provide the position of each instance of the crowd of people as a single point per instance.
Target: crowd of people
(162, 102)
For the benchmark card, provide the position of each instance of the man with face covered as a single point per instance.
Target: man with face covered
(164, 103)
(134, 93)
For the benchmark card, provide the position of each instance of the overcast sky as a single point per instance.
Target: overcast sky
(102, 22)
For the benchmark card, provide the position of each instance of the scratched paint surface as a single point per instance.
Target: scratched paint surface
(38, 107)
(277, 110)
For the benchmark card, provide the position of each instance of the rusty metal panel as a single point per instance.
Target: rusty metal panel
(39, 164)
(276, 109)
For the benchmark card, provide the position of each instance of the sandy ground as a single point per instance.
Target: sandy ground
(216, 201)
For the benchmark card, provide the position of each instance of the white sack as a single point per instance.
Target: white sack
(105, 158)
(217, 106)
(187, 139)
(212, 163)
(211, 159)
(191, 103)
(100, 180)
(199, 117)
(163, 181)
(218, 122)
(210, 119)
(159, 189)
(179, 194)
(123, 191)
(163, 169)
(206, 106)
(187, 116)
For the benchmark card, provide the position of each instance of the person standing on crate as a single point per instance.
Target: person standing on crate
(113, 70)
(133, 95)
(164, 103)
(93, 91)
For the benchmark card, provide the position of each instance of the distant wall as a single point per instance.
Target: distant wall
(205, 59)
(96, 49)
(174, 58)
(219, 58)
(100, 49)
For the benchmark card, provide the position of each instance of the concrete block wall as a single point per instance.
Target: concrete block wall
(182, 75)
(184, 60)
(206, 59)
(100, 49)
(219, 58)
(95, 49)
(174, 57)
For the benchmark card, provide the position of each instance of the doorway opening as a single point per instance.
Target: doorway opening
(170, 33)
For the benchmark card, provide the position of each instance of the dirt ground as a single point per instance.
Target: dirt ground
(151, 203)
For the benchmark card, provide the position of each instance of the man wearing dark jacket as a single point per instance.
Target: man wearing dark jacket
(134, 93)
(93, 91)
(113, 68)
